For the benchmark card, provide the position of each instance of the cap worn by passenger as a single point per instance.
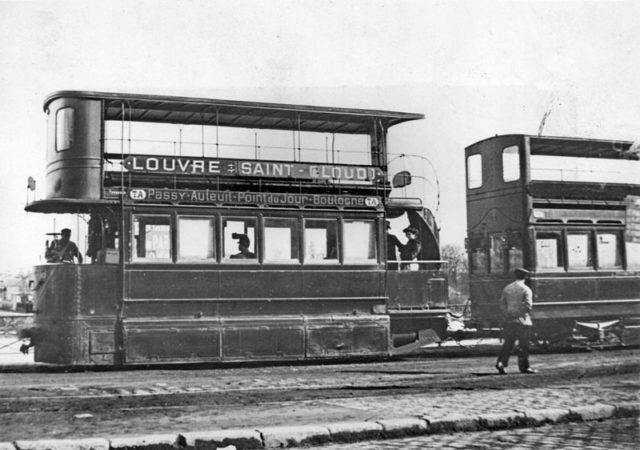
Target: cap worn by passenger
(65, 231)
(413, 230)
(521, 272)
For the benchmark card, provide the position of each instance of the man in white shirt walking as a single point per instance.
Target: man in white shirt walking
(516, 303)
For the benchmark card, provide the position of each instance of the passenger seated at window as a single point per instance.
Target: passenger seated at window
(243, 245)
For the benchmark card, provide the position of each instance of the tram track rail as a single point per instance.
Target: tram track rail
(346, 383)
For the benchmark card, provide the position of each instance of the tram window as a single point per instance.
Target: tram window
(152, 238)
(281, 240)
(474, 171)
(633, 255)
(196, 239)
(497, 254)
(609, 254)
(239, 236)
(549, 251)
(64, 129)
(320, 241)
(579, 250)
(479, 261)
(510, 164)
(359, 240)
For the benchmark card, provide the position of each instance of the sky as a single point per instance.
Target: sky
(473, 68)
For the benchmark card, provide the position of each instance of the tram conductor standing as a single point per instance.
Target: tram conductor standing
(64, 250)
(516, 303)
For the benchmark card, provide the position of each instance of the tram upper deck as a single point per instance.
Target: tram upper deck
(98, 142)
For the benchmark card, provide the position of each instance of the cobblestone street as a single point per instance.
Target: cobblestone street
(130, 402)
(605, 435)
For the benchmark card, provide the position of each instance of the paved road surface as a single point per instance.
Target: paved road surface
(57, 404)
(605, 435)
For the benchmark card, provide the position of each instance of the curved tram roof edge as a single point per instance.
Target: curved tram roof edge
(195, 110)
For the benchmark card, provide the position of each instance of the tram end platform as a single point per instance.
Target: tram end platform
(313, 435)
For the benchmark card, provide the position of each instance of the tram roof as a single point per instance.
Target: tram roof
(592, 148)
(243, 114)
(572, 146)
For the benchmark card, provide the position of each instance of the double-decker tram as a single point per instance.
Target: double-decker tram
(567, 210)
(226, 231)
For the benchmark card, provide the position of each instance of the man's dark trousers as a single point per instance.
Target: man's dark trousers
(515, 331)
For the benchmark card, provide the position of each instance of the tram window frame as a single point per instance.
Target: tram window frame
(632, 255)
(497, 260)
(211, 239)
(135, 238)
(65, 128)
(591, 255)
(253, 239)
(618, 257)
(372, 244)
(474, 171)
(330, 247)
(511, 164)
(294, 240)
(556, 236)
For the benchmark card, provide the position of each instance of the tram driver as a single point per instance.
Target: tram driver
(63, 250)
(243, 246)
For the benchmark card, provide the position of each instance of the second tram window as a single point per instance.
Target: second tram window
(196, 239)
(281, 240)
(320, 241)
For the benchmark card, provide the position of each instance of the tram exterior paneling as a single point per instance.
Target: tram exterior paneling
(140, 300)
(569, 231)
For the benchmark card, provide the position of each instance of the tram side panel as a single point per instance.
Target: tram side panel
(236, 313)
(75, 314)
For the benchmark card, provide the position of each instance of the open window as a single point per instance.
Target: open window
(281, 240)
(320, 241)
(510, 164)
(239, 239)
(474, 171)
(359, 240)
(196, 239)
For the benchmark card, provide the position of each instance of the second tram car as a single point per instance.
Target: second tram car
(226, 231)
(567, 210)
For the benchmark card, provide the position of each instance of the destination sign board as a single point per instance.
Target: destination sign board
(202, 196)
(243, 168)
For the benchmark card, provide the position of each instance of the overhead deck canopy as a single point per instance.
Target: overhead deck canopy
(590, 148)
(229, 113)
(68, 205)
